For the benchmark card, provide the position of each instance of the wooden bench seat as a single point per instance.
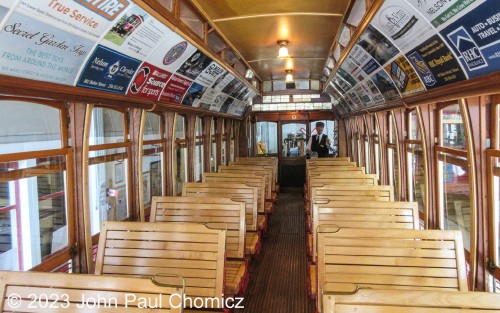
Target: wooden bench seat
(192, 251)
(238, 192)
(66, 291)
(363, 214)
(392, 259)
(312, 281)
(262, 222)
(267, 172)
(411, 301)
(340, 178)
(349, 192)
(220, 213)
(253, 180)
(263, 160)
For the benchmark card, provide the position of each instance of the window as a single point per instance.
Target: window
(393, 155)
(493, 159)
(199, 149)
(167, 4)
(294, 139)
(190, 17)
(376, 146)
(213, 150)
(34, 203)
(180, 154)
(232, 142)
(453, 174)
(153, 163)
(416, 164)
(267, 138)
(330, 130)
(367, 148)
(108, 171)
(224, 145)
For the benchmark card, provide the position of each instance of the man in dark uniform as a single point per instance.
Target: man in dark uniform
(319, 143)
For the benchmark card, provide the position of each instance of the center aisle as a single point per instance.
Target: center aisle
(278, 282)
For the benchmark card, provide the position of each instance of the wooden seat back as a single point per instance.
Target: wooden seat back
(256, 170)
(192, 251)
(363, 214)
(234, 191)
(366, 300)
(253, 166)
(215, 212)
(58, 292)
(252, 180)
(349, 192)
(340, 178)
(261, 160)
(391, 259)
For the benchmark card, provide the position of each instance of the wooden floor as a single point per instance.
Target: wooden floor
(278, 278)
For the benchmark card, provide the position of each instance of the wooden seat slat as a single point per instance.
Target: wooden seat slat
(386, 267)
(252, 170)
(112, 290)
(238, 192)
(198, 273)
(414, 301)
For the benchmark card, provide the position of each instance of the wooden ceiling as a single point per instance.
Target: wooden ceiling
(254, 27)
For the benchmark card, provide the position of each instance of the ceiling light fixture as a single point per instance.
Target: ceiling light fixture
(283, 52)
(289, 76)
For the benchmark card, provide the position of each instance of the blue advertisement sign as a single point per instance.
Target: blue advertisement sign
(435, 63)
(108, 70)
(475, 39)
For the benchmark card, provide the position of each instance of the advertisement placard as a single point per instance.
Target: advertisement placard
(171, 53)
(193, 95)
(219, 100)
(225, 106)
(475, 39)
(135, 34)
(149, 82)
(386, 86)
(35, 50)
(377, 45)
(435, 63)
(210, 75)
(194, 65)
(404, 76)
(108, 70)
(438, 12)
(84, 18)
(399, 21)
(175, 89)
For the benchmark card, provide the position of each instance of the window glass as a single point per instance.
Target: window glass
(496, 221)
(416, 175)
(199, 149)
(152, 129)
(33, 211)
(152, 159)
(455, 197)
(294, 139)
(180, 155)
(376, 144)
(108, 181)
(213, 150)
(453, 135)
(224, 146)
(215, 42)
(231, 145)
(267, 137)
(106, 126)
(166, 4)
(393, 157)
(191, 19)
(27, 126)
(413, 126)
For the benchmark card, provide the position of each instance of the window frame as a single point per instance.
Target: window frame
(424, 216)
(199, 143)
(493, 266)
(144, 211)
(463, 158)
(393, 126)
(54, 260)
(182, 143)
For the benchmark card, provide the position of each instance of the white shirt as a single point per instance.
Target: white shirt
(309, 142)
